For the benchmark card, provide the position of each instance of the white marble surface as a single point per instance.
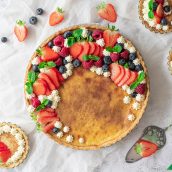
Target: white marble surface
(44, 154)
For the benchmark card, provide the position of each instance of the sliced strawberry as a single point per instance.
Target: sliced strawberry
(97, 50)
(48, 80)
(49, 126)
(86, 48)
(101, 52)
(160, 11)
(121, 76)
(5, 152)
(40, 87)
(76, 49)
(157, 19)
(59, 75)
(92, 48)
(132, 78)
(44, 113)
(52, 73)
(110, 38)
(56, 17)
(47, 54)
(48, 92)
(20, 30)
(49, 110)
(125, 78)
(115, 71)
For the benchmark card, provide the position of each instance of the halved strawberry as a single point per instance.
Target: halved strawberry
(110, 37)
(45, 120)
(48, 80)
(56, 17)
(49, 110)
(92, 48)
(5, 152)
(20, 30)
(52, 73)
(45, 113)
(59, 75)
(49, 126)
(86, 48)
(48, 92)
(115, 71)
(132, 78)
(76, 49)
(39, 87)
(160, 11)
(97, 50)
(125, 78)
(121, 76)
(47, 54)
(107, 12)
(157, 19)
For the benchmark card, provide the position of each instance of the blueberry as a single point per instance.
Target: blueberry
(89, 32)
(62, 69)
(167, 8)
(4, 39)
(107, 60)
(51, 44)
(64, 61)
(55, 130)
(132, 56)
(105, 68)
(134, 94)
(164, 21)
(39, 11)
(33, 20)
(131, 65)
(67, 34)
(49, 103)
(155, 5)
(35, 68)
(139, 67)
(76, 63)
(122, 62)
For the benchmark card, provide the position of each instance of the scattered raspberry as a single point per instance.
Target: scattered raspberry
(59, 41)
(125, 54)
(98, 63)
(64, 52)
(97, 34)
(58, 62)
(35, 102)
(140, 89)
(114, 57)
(87, 64)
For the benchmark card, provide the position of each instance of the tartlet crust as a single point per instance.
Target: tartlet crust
(23, 157)
(169, 60)
(145, 23)
(135, 122)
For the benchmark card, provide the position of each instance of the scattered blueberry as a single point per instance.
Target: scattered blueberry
(4, 39)
(39, 11)
(62, 69)
(67, 34)
(164, 21)
(105, 68)
(107, 60)
(76, 63)
(139, 67)
(131, 65)
(55, 130)
(89, 33)
(134, 94)
(35, 68)
(51, 44)
(33, 20)
(132, 56)
(167, 8)
(64, 61)
(155, 5)
(49, 103)
(122, 62)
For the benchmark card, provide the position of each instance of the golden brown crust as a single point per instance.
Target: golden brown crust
(109, 142)
(169, 60)
(26, 146)
(145, 23)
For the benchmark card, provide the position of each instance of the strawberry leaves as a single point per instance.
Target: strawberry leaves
(116, 48)
(90, 57)
(49, 64)
(42, 105)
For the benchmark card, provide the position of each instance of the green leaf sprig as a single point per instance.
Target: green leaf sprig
(42, 105)
(112, 27)
(90, 57)
(38, 125)
(116, 48)
(150, 13)
(49, 64)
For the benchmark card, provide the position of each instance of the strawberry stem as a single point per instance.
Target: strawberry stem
(60, 10)
(101, 6)
(39, 51)
(20, 22)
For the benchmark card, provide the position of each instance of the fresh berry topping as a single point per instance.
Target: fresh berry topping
(58, 62)
(121, 45)
(33, 20)
(98, 63)
(134, 94)
(67, 34)
(160, 11)
(155, 5)
(122, 62)
(55, 130)
(164, 21)
(50, 44)
(59, 41)
(115, 71)
(121, 75)
(107, 12)
(114, 57)
(4, 39)
(39, 11)
(64, 52)
(5, 152)
(76, 63)
(127, 74)
(92, 48)
(20, 30)
(167, 8)
(87, 64)
(65, 61)
(85, 50)
(75, 50)
(160, 1)
(62, 69)
(97, 34)
(105, 68)
(140, 89)
(49, 104)
(35, 68)
(124, 54)
(132, 78)
(35, 102)
(131, 65)
(132, 56)
(56, 17)
(139, 67)
(107, 60)
(89, 32)
(40, 87)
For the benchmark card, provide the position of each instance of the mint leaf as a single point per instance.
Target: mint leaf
(90, 57)
(141, 77)
(110, 49)
(126, 65)
(29, 88)
(90, 38)
(95, 58)
(45, 102)
(42, 105)
(151, 14)
(77, 33)
(70, 41)
(117, 48)
(42, 65)
(38, 127)
(85, 57)
(150, 5)
(51, 64)
(170, 167)
(32, 76)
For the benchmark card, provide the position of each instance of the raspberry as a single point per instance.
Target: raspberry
(35, 102)
(97, 34)
(114, 57)
(58, 62)
(160, 1)
(59, 41)
(64, 52)
(98, 63)
(125, 54)
(140, 89)
(87, 64)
